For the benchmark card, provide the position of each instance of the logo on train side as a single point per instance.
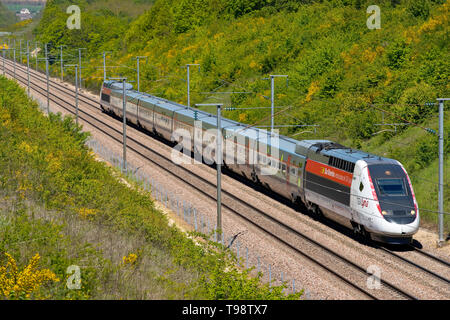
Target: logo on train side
(334, 174)
(328, 172)
(74, 21)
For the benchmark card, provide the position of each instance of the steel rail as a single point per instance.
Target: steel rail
(432, 273)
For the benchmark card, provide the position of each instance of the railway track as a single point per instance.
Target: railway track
(305, 246)
(429, 255)
(434, 274)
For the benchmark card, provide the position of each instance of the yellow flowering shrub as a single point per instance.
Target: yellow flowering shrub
(243, 117)
(130, 259)
(369, 55)
(253, 64)
(313, 88)
(54, 162)
(15, 283)
(87, 213)
(26, 147)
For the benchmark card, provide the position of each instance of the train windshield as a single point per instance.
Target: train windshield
(392, 187)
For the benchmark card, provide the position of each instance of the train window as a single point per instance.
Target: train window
(392, 187)
(283, 168)
(293, 171)
(106, 97)
(332, 161)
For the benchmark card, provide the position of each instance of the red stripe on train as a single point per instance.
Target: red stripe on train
(330, 173)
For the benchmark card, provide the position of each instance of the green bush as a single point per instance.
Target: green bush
(419, 8)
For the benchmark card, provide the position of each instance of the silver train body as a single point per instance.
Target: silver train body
(370, 194)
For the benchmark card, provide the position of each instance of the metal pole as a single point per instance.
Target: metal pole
(79, 65)
(124, 126)
(272, 101)
(28, 67)
(219, 170)
(3, 61)
(138, 84)
(46, 72)
(36, 50)
(104, 66)
(272, 98)
(14, 62)
(62, 68)
(188, 88)
(219, 166)
(441, 171)
(76, 94)
(20, 51)
(138, 72)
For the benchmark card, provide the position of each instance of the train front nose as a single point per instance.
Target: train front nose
(399, 211)
(399, 216)
(396, 226)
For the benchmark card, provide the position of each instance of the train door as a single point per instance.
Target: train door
(299, 178)
(292, 173)
(154, 118)
(245, 168)
(357, 200)
(253, 159)
(138, 121)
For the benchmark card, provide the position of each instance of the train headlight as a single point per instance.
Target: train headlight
(384, 212)
(413, 212)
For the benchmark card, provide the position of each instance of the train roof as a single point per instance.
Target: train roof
(332, 149)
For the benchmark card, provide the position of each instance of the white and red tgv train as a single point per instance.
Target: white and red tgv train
(372, 195)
